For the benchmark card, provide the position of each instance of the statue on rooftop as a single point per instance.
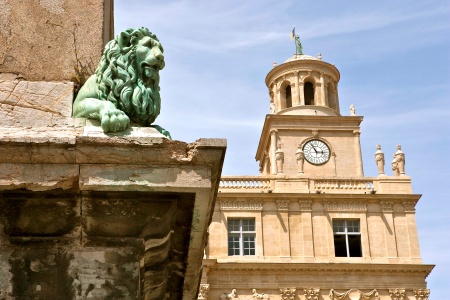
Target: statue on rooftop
(298, 45)
(125, 86)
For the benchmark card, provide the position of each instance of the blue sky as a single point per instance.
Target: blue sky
(394, 60)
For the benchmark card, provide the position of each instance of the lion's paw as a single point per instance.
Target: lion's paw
(114, 120)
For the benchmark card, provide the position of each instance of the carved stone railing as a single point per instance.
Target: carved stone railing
(365, 184)
(303, 184)
(244, 182)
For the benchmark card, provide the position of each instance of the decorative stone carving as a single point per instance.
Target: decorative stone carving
(421, 294)
(283, 204)
(255, 295)
(397, 294)
(354, 294)
(203, 292)
(241, 205)
(319, 56)
(379, 160)
(305, 205)
(233, 294)
(315, 133)
(398, 163)
(272, 107)
(387, 206)
(287, 293)
(352, 110)
(300, 157)
(394, 165)
(346, 206)
(399, 157)
(408, 206)
(274, 64)
(311, 294)
(279, 157)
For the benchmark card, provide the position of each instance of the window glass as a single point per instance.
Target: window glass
(347, 238)
(241, 237)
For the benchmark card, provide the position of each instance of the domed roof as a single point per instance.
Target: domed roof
(303, 57)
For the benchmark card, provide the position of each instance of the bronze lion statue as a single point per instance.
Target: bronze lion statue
(125, 86)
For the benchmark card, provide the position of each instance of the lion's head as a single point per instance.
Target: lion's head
(128, 74)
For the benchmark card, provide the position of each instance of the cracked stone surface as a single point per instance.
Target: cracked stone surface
(37, 104)
(53, 40)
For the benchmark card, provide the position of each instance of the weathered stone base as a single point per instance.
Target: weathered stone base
(84, 215)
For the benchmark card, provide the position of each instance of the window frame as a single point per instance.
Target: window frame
(242, 234)
(346, 233)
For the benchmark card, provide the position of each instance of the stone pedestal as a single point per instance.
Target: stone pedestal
(89, 215)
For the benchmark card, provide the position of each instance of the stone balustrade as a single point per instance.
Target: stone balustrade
(245, 182)
(363, 185)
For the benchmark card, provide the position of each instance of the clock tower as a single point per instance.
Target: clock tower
(312, 225)
(305, 121)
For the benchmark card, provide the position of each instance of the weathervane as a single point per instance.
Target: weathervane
(298, 44)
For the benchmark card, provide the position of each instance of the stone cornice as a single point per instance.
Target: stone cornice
(324, 267)
(369, 198)
(302, 65)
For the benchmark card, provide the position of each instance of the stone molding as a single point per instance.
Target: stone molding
(287, 293)
(353, 294)
(241, 205)
(387, 206)
(403, 269)
(421, 294)
(311, 294)
(356, 206)
(203, 292)
(397, 294)
(408, 206)
(305, 205)
(283, 205)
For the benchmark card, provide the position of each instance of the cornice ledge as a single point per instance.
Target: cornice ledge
(324, 267)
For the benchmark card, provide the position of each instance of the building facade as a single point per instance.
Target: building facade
(311, 225)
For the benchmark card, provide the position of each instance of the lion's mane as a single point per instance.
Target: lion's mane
(119, 82)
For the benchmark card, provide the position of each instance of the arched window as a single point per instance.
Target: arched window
(309, 93)
(288, 97)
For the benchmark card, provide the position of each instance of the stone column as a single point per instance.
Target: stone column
(278, 99)
(358, 156)
(273, 148)
(283, 213)
(296, 101)
(323, 101)
(275, 97)
(301, 86)
(266, 169)
(387, 209)
(410, 214)
(337, 98)
(379, 160)
(305, 207)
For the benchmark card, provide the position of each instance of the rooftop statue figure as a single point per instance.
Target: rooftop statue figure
(125, 85)
(298, 45)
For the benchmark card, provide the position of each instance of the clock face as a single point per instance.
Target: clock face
(316, 152)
